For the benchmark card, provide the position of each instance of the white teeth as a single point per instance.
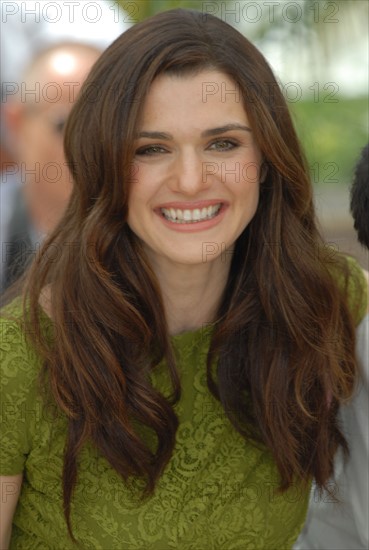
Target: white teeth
(190, 216)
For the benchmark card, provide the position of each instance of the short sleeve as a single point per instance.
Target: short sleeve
(18, 376)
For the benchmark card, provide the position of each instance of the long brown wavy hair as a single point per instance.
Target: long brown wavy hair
(281, 357)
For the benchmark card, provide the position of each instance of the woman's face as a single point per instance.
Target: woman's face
(196, 169)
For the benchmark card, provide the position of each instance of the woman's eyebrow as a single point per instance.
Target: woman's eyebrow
(206, 133)
(226, 128)
(154, 135)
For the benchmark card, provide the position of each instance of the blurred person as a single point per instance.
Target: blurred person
(172, 379)
(35, 191)
(360, 197)
(15, 54)
(6, 157)
(28, 29)
(343, 524)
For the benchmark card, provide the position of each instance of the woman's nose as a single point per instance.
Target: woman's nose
(190, 174)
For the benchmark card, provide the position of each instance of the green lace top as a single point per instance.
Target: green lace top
(217, 491)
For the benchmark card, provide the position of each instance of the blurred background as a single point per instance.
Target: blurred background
(318, 50)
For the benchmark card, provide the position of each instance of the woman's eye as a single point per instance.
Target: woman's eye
(223, 145)
(150, 150)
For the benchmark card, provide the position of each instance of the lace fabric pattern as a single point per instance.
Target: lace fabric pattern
(217, 492)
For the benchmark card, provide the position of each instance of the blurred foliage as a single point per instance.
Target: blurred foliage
(315, 13)
(352, 14)
(332, 135)
(329, 20)
(141, 9)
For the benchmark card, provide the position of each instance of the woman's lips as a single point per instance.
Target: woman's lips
(194, 215)
(200, 216)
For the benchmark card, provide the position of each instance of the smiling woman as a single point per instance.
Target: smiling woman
(196, 171)
(192, 337)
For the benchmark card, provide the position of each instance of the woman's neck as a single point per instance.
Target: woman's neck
(191, 293)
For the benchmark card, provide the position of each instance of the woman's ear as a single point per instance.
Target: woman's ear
(263, 171)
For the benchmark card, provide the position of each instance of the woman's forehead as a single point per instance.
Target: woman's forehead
(209, 94)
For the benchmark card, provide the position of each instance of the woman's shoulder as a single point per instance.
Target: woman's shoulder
(19, 360)
(353, 281)
(12, 326)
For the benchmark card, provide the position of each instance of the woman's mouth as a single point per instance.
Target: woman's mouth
(175, 215)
